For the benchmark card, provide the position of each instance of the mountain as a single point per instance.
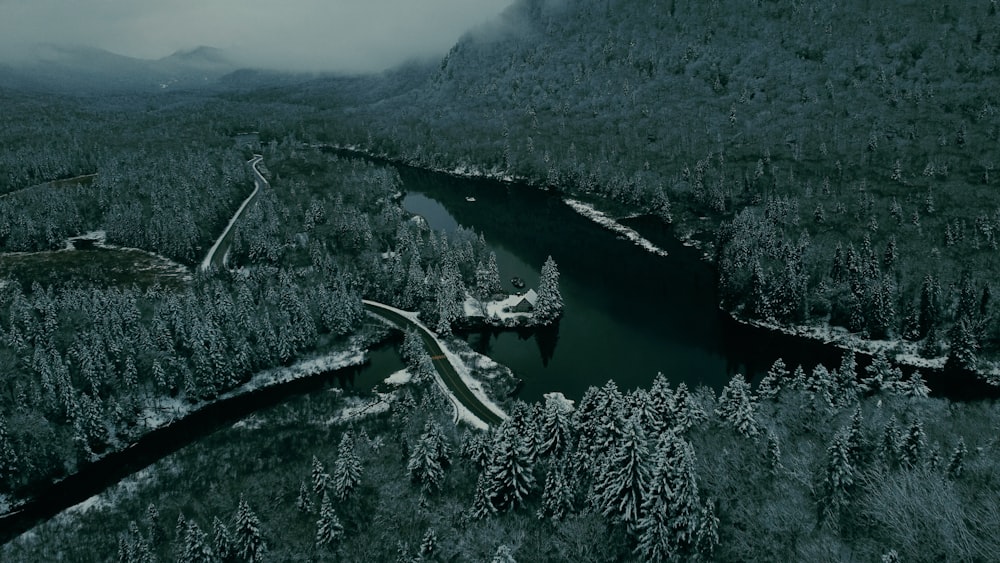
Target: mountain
(78, 68)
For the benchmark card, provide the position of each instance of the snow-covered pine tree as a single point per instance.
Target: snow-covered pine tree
(329, 530)
(914, 443)
(956, 463)
(425, 463)
(222, 541)
(196, 547)
(878, 375)
(773, 453)
(428, 545)
(798, 380)
(320, 478)
(846, 378)
(554, 431)
(856, 442)
(549, 306)
(346, 469)
(671, 511)
(736, 406)
(661, 398)
(686, 413)
(620, 484)
(888, 449)
(303, 501)
(249, 540)
(915, 387)
(509, 476)
(154, 526)
(821, 388)
(770, 384)
(838, 482)
(482, 506)
(557, 498)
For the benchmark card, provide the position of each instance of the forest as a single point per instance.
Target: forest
(834, 161)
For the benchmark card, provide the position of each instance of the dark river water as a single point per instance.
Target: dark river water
(628, 313)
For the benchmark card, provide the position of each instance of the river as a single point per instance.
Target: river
(628, 315)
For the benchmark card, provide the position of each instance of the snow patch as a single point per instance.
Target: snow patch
(401, 377)
(360, 408)
(600, 218)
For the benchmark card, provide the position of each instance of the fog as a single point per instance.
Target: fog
(299, 35)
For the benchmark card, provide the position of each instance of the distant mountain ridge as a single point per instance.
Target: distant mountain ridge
(82, 68)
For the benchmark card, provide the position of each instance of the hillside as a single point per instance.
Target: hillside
(857, 137)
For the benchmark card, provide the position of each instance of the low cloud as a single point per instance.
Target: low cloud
(310, 35)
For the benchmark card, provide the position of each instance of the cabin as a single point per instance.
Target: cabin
(527, 302)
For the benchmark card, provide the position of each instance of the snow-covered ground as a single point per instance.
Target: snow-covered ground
(356, 408)
(901, 351)
(600, 218)
(166, 410)
(476, 386)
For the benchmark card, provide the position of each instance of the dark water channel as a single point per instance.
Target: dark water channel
(628, 313)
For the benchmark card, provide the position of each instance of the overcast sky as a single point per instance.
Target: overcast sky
(343, 35)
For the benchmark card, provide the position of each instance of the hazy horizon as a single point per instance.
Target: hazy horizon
(294, 35)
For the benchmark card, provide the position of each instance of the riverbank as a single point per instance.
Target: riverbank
(697, 232)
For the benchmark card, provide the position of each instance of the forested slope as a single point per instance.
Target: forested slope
(847, 150)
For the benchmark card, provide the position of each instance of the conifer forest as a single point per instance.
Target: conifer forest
(607, 280)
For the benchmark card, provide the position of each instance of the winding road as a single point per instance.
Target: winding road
(218, 255)
(449, 376)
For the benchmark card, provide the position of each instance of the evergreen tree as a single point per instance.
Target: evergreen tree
(196, 547)
(773, 453)
(956, 464)
(891, 440)
(878, 375)
(661, 400)
(347, 468)
(424, 465)
(249, 540)
(223, 541)
(913, 446)
(846, 379)
(915, 386)
(509, 477)
(930, 305)
(736, 406)
(840, 476)
(429, 545)
(619, 487)
(156, 533)
(671, 512)
(482, 506)
(557, 498)
(303, 502)
(686, 412)
(554, 431)
(964, 346)
(770, 385)
(550, 304)
(329, 530)
(320, 478)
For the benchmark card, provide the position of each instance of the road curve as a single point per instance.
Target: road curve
(218, 255)
(458, 389)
